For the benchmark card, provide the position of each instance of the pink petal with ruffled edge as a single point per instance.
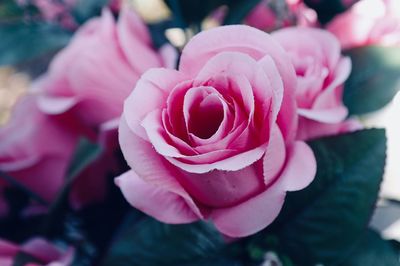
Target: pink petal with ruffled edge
(244, 39)
(151, 93)
(258, 212)
(154, 200)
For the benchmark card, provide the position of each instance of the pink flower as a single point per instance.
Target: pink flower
(96, 72)
(269, 15)
(368, 22)
(321, 72)
(215, 139)
(39, 250)
(36, 149)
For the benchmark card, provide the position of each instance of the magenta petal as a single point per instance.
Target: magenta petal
(300, 168)
(151, 93)
(155, 201)
(250, 216)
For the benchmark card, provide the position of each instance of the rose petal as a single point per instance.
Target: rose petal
(250, 216)
(154, 200)
(151, 93)
(300, 168)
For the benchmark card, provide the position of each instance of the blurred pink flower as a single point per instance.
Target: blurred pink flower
(36, 148)
(368, 22)
(42, 253)
(321, 72)
(94, 74)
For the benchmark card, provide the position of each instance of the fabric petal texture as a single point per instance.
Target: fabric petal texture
(215, 139)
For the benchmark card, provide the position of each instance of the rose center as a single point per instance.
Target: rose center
(206, 116)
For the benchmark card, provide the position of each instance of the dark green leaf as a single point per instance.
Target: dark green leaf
(374, 80)
(85, 154)
(25, 41)
(372, 250)
(150, 242)
(327, 9)
(238, 10)
(192, 12)
(323, 221)
(86, 9)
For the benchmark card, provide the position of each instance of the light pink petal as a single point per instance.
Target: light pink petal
(275, 156)
(151, 166)
(224, 188)
(276, 82)
(300, 168)
(56, 105)
(250, 216)
(151, 93)
(152, 123)
(324, 45)
(154, 200)
(328, 115)
(310, 129)
(135, 41)
(169, 56)
(331, 97)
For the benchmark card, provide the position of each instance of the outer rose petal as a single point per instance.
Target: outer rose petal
(250, 216)
(300, 168)
(255, 43)
(154, 200)
(309, 129)
(150, 166)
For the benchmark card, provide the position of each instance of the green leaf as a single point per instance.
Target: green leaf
(85, 154)
(372, 250)
(374, 80)
(25, 41)
(150, 242)
(323, 221)
(86, 9)
(238, 10)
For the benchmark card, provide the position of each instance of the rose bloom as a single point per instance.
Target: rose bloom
(368, 22)
(35, 149)
(215, 139)
(95, 73)
(39, 250)
(321, 72)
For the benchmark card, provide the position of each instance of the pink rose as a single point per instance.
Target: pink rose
(95, 73)
(215, 139)
(42, 253)
(368, 22)
(321, 72)
(36, 148)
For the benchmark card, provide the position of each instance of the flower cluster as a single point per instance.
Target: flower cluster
(219, 131)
